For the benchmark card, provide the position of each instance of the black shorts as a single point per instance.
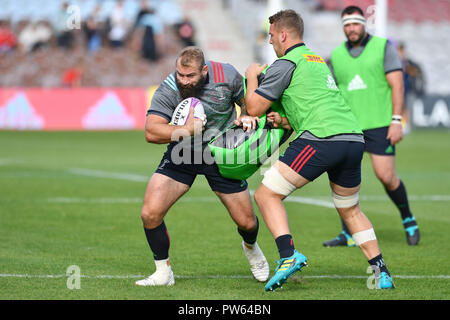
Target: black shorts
(187, 172)
(377, 143)
(340, 159)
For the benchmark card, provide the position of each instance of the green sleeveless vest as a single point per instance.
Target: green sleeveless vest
(238, 154)
(312, 101)
(363, 83)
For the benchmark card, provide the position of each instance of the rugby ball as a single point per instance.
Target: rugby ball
(181, 112)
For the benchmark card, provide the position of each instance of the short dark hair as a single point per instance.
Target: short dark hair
(352, 9)
(288, 19)
(190, 55)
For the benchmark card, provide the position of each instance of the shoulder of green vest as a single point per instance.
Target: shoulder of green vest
(292, 53)
(343, 45)
(289, 58)
(340, 48)
(294, 57)
(378, 40)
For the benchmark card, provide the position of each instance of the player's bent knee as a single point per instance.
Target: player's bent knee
(275, 181)
(245, 219)
(364, 236)
(145, 216)
(345, 201)
(261, 195)
(258, 196)
(386, 177)
(248, 225)
(150, 216)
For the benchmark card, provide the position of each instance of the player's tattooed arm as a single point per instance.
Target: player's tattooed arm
(243, 107)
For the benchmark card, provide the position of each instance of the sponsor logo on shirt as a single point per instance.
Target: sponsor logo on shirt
(331, 84)
(313, 58)
(356, 84)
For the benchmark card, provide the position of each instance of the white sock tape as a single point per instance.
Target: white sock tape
(364, 236)
(277, 183)
(162, 265)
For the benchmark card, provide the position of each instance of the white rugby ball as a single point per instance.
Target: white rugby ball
(181, 112)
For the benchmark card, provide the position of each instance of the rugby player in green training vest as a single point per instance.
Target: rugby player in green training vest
(368, 71)
(329, 139)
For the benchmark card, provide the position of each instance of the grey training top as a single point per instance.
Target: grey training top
(223, 88)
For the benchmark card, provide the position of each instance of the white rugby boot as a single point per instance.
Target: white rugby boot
(257, 260)
(163, 276)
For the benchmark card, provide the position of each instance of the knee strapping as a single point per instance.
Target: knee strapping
(275, 181)
(364, 236)
(345, 201)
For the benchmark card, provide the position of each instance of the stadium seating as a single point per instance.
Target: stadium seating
(422, 27)
(105, 68)
(399, 10)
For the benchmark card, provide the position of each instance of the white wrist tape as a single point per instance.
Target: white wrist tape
(345, 201)
(396, 119)
(277, 183)
(364, 236)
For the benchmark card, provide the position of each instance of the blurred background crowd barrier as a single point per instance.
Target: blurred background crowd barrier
(97, 62)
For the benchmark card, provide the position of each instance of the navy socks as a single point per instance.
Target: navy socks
(285, 245)
(159, 241)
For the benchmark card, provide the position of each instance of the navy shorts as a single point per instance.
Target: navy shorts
(377, 143)
(187, 172)
(340, 159)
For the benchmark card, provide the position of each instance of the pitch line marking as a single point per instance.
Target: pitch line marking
(137, 276)
(317, 201)
(109, 175)
(70, 200)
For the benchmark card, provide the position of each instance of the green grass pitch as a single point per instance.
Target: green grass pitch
(74, 199)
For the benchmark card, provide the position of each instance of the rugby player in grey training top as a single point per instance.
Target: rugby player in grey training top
(218, 86)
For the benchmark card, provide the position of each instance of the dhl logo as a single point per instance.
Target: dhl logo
(313, 58)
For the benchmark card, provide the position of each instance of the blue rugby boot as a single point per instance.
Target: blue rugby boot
(286, 267)
(412, 231)
(384, 281)
(343, 239)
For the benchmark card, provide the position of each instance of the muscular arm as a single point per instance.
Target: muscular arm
(256, 104)
(277, 78)
(159, 131)
(395, 80)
